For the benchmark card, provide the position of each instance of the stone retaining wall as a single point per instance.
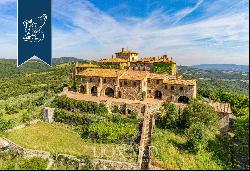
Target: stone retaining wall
(97, 163)
(114, 165)
(126, 108)
(26, 153)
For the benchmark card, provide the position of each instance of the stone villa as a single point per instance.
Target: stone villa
(127, 76)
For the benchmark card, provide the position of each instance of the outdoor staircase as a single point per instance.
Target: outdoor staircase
(144, 150)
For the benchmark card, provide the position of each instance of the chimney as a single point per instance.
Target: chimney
(122, 49)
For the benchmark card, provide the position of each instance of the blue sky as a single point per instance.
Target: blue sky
(191, 31)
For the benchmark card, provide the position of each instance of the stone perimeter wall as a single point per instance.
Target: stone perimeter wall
(126, 108)
(97, 163)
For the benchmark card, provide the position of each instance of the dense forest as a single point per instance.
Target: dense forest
(223, 67)
(233, 81)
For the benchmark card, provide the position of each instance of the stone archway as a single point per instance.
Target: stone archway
(82, 89)
(109, 92)
(94, 91)
(158, 94)
(183, 99)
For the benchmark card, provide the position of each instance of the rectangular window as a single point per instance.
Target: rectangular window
(166, 87)
(157, 81)
(172, 87)
(134, 84)
(148, 81)
(90, 80)
(104, 80)
(125, 83)
(120, 84)
(181, 88)
(149, 91)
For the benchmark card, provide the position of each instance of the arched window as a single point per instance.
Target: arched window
(183, 99)
(109, 92)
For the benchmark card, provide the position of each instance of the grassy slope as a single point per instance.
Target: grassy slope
(60, 138)
(171, 153)
(17, 117)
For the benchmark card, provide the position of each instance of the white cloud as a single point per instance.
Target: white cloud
(91, 33)
(186, 11)
(151, 38)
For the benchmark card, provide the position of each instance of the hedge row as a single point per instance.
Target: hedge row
(112, 132)
(110, 127)
(70, 117)
(69, 104)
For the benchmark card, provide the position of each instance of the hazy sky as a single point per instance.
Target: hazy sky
(191, 31)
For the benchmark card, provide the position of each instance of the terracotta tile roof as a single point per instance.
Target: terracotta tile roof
(134, 75)
(91, 72)
(144, 60)
(113, 60)
(181, 82)
(157, 76)
(155, 59)
(87, 65)
(126, 52)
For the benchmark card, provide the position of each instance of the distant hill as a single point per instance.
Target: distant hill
(223, 67)
(65, 59)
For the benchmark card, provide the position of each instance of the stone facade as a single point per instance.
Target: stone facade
(136, 81)
(129, 60)
(129, 89)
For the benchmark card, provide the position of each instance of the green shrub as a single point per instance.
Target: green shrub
(169, 117)
(200, 112)
(133, 115)
(65, 163)
(115, 109)
(201, 123)
(26, 117)
(197, 136)
(102, 108)
(10, 160)
(242, 135)
(69, 104)
(34, 163)
(70, 117)
(2, 112)
(4, 125)
(162, 67)
(113, 132)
